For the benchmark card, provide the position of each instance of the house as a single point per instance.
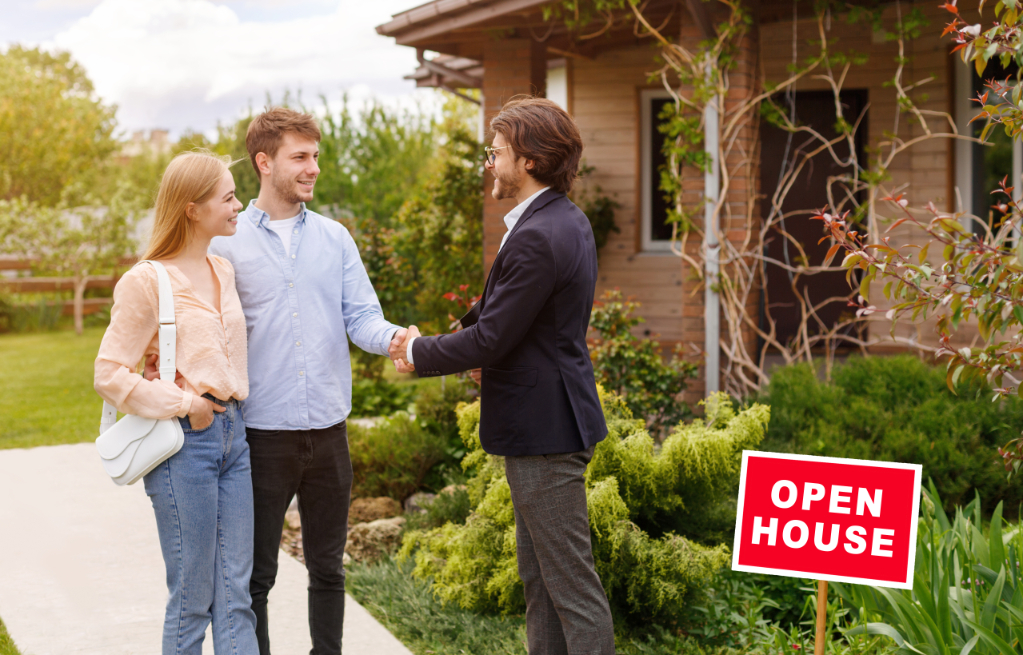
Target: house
(600, 72)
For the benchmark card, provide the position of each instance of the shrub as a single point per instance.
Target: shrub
(650, 572)
(633, 367)
(451, 506)
(967, 586)
(897, 409)
(393, 457)
(379, 397)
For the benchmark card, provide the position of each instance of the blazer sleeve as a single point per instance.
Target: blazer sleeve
(525, 282)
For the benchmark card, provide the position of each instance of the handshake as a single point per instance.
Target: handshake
(398, 348)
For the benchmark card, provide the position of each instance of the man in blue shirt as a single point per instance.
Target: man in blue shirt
(305, 292)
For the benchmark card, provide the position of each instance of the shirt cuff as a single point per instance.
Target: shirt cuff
(408, 351)
(186, 404)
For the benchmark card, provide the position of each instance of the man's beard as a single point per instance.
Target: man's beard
(285, 190)
(509, 186)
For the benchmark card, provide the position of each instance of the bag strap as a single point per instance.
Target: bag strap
(167, 338)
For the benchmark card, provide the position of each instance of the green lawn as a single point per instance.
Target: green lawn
(7, 646)
(46, 394)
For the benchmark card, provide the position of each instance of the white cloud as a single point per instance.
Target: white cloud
(188, 63)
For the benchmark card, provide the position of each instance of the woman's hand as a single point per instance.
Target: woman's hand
(201, 416)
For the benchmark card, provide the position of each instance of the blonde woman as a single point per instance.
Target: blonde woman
(202, 495)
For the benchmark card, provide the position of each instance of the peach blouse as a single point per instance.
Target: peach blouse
(211, 347)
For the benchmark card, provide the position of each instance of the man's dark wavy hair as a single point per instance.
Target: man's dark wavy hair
(543, 132)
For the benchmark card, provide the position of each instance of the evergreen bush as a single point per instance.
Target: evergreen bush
(898, 409)
(639, 496)
(393, 457)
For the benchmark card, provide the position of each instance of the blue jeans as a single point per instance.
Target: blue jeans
(203, 502)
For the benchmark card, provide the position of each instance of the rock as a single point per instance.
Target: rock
(364, 510)
(452, 488)
(370, 541)
(346, 560)
(418, 502)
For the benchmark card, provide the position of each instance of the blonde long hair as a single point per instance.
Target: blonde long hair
(190, 177)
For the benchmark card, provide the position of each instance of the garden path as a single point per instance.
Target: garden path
(81, 570)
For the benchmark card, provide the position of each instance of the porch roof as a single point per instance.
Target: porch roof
(433, 19)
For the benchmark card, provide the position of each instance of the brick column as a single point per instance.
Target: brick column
(511, 67)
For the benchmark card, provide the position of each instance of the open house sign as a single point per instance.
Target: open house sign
(843, 520)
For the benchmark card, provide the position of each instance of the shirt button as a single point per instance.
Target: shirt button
(295, 232)
(301, 373)
(291, 284)
(298, 343)
(295, 314)
(292, 256)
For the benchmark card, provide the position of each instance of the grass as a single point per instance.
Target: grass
(408, 608)
(46, 394)
(412, 613)
(7, 646)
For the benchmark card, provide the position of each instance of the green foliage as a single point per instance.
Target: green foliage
(435, 408)
(230, 141)
(55, 134)
(379, 397)
(393, 457)
(599, 208)
(967, 591)
(407, 608)
(436, 243)
(649, 573)
(372, 159)
(633, 367)
(896, 409)
(452, 506)
(7, 646)
(74, 242)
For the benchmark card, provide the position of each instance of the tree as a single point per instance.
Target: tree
(78, 243)
(436, 242)
(979, 279)
(55, 134)
(372, 160)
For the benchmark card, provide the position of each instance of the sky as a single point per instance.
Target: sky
(187, 64)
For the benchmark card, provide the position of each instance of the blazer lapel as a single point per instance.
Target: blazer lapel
(542, 201)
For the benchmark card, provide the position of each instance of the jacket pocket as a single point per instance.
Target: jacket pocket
(524, 376)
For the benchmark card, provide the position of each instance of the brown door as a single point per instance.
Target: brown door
(815, 109)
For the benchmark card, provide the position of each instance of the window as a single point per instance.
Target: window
(654, 206)
(980, 168)
(557, 82)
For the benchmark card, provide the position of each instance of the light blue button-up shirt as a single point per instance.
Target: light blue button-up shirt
(300, 308)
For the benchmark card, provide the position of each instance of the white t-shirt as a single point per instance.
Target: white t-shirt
(284, 229)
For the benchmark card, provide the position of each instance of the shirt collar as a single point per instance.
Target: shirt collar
(512, 217)
(260, 217)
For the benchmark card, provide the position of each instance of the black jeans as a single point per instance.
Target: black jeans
(316, 465)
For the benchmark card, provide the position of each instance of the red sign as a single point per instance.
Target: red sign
(845, 520)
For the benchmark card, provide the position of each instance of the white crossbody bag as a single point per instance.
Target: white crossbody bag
(134, 446)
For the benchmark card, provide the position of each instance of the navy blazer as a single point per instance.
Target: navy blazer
(528, 334)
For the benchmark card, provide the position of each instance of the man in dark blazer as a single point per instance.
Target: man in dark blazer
(540, 408)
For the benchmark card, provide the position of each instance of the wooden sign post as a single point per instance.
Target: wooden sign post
(830, 519)
(820, 639)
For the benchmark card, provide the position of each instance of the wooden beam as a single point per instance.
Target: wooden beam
(471, 17)
(43, 284)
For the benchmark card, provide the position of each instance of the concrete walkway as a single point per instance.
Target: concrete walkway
(81, 570)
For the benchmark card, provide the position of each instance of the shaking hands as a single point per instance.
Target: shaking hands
(398, 348)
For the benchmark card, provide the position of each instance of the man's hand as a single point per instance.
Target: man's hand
(201, 416)
(398, 348)
(152, 371)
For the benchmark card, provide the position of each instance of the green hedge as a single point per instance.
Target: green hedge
(639, 497)
(898, 409)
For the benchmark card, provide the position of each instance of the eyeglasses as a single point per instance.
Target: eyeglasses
(492, 153)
